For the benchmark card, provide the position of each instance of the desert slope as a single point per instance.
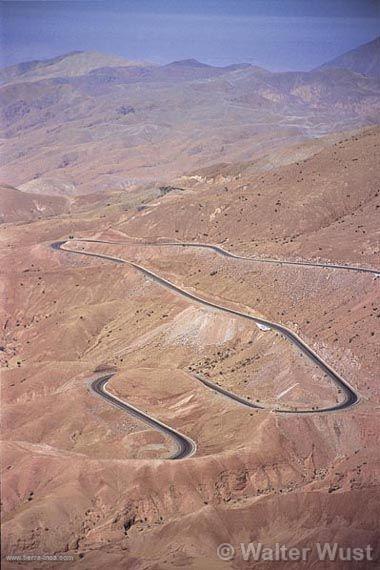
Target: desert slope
(20, 206)
(323, 207)
(87, 480)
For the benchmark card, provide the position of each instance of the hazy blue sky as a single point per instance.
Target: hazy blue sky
(277, 34)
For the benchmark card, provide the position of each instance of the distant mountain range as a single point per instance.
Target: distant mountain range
(364, 59)
(81, 63)
(85, 121)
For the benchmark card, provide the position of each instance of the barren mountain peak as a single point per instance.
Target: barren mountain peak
(364, 59)
(70, 64)
(190, 63)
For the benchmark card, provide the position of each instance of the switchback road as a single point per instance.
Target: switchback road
(185, 446)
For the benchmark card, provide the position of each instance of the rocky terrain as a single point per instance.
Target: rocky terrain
(84, 479)
(151, 123)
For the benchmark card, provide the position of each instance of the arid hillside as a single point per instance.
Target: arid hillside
(284, 461)
(20, 206)
(364, 59)
(322, 207)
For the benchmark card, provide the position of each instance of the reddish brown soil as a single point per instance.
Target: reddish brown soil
(85, 479)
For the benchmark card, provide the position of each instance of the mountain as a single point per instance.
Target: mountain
(188, 63)
(364, 59)
(68, 65)
(151, 123)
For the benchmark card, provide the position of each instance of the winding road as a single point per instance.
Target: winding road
(224, 252)
(185, 446)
